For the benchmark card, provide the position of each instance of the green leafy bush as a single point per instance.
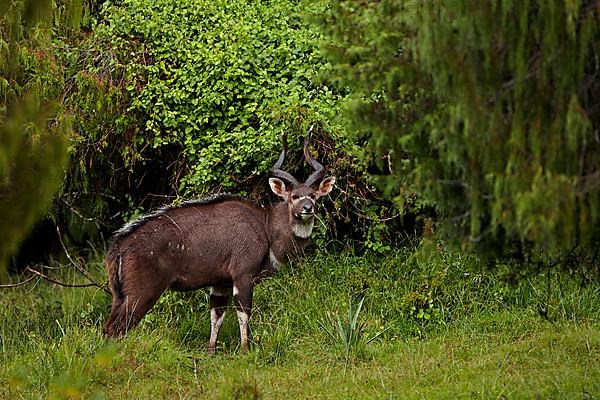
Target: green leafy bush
(208, 86)
(177, 99)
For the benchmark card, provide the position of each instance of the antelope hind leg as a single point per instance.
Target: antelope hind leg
(219, 298)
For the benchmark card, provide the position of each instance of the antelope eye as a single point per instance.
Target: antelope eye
(295, 197)
(313, 196)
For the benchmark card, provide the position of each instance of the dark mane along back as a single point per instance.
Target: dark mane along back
(132, 226)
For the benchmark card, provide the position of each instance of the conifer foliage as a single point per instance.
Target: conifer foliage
(521, 82)
(489, 111)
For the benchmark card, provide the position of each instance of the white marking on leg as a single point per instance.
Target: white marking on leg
(215, 325)
(243, 321)
(235, 291)
(242, 318)
(275, 264)
(220, 291)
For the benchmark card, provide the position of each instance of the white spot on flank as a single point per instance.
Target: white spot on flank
(151, 252)
(120, 270)
(182, 247)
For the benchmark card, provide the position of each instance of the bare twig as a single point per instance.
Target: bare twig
(37, 274)
(46, 277)
(195, 370)
(194, 367)
(389, 162)
(78, 267)
(14, 285)
(54, 268)
(76, 212)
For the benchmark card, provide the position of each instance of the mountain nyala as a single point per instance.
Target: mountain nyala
(223, 241)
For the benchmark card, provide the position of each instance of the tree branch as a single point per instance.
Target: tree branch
(14, 285)
(78, 268)
(46, 277)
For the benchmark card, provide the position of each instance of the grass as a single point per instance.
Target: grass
(442, 329)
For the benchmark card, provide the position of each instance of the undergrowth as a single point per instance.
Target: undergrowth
(328, 326)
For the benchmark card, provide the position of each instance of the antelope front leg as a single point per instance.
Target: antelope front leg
(242, 297)
(219, 298)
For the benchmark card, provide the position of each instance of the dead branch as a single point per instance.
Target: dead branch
(14, 285)
(78, 267)
(73, 285)
(40, 275)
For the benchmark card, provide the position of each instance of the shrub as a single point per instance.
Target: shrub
(177, 99)
(163, 82)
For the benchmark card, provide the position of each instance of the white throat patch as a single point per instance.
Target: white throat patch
(303, 230)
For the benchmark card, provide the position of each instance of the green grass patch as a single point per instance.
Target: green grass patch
(441, 329)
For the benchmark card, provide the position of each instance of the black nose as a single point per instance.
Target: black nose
(307, 207)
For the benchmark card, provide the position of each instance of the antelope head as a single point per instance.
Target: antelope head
(301, 197)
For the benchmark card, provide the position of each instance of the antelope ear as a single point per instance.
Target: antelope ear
(325, 186)
(278, 187)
